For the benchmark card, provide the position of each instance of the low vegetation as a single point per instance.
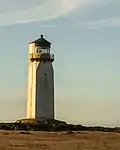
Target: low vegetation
(51, 125)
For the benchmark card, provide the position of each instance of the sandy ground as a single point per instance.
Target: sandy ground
(59, 141)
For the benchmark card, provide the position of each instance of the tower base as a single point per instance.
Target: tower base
(39, 121)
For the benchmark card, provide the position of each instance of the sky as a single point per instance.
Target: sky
(85, 40)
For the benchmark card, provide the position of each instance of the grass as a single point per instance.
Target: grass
(18, 140)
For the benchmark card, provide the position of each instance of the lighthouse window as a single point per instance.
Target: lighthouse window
(39, 50)
(45, 50)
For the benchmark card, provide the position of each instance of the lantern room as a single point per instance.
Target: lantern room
(41, 50)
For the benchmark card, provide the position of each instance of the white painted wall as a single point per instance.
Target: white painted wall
(31, 80)
(45, 90)
(40, 103)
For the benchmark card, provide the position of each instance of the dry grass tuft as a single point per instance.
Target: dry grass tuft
(24, 133)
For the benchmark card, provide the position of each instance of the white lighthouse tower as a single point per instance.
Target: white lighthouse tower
(40, 102)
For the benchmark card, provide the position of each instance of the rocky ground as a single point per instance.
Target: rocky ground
(84, 140)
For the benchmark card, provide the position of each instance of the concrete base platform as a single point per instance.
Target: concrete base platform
(39, 121)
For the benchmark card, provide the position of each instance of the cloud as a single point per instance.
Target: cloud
(49, 9)
(92, 25)
(98, 24)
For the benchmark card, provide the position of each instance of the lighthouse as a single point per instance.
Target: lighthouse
(40, 100)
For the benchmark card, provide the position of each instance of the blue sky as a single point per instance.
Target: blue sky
(85, 40)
